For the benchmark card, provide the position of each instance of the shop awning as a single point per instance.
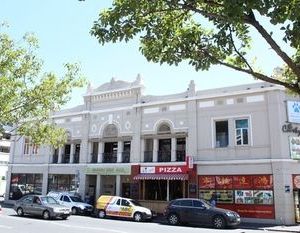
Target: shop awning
(161, 177)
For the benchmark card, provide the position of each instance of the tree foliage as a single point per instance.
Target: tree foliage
(28, 96)
(206, 32)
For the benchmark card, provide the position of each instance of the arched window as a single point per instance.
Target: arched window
(164, 129)
(110, 131)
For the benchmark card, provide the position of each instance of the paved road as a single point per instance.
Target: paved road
(10, 223)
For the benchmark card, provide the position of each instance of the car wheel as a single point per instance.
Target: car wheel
(46, 215)
(74, 210)
(138, 217)
(173, 219)
(64, 217)
(219, 222)
(20, 211)
(101, 214)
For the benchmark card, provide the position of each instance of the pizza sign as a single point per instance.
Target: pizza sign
(164, 170)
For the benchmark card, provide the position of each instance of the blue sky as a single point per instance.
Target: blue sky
(62, 28)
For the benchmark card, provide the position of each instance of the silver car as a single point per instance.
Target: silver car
(44, 206)
(74, 202)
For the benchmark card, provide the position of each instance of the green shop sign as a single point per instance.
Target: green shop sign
(109, 170)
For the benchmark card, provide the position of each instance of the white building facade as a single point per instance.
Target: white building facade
(4, 158)
(240, 143)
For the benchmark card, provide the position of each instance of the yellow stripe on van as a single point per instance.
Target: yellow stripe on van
(103, 201)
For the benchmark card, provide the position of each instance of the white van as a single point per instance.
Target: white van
(116, 206)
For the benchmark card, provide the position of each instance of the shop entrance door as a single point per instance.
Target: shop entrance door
(297, 205)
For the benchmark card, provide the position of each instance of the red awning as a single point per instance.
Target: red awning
(161, 177)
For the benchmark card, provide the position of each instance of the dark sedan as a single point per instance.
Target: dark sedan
(43, 206)
(199, 212)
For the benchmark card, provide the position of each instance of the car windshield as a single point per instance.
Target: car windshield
(136, 203)
(75, 199)
(49, 200)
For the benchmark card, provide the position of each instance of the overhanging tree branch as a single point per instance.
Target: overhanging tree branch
(237, 51)
(273, 44)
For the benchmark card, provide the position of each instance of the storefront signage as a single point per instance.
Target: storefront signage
(207, 182)
(252, 211)
(224, 182)
(109, 170)
(242, 182)
(296, 181)
(294, 147)
(262, 182)
(289, 128)
(146, 170)
(237, 182)
(163, 170)
(293, 109)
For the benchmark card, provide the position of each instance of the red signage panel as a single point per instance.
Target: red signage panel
(262, 182)
(207, 182)
(170, 169)
(251, 211)
(242, 182)
(224, 182)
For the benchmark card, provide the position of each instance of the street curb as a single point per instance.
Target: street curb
(278, 230)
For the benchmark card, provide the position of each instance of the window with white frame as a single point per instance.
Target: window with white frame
(30, 148)
(222, 133)
(27, 146)
(242, 132)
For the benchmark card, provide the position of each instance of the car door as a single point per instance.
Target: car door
(27, 205)
(184, 208)
(65, 200)
(200, 213)
(126, 209)
(37, 206)
(113, 209)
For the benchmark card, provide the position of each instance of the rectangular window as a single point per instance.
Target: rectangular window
(221, 133)
(57, 182)
(241, 132)
(27, 146)
(24, 184)
(30, 148)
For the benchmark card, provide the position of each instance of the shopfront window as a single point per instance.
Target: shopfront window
(264, 197)
(61, 183)
(22, 184)
(156, 190)
(250, 195)
(176, 189)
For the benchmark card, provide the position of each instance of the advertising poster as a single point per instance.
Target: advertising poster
(294, 147)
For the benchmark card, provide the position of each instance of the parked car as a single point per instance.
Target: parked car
(44, 206)
(116, 206)
(73, 201)
(199, 212)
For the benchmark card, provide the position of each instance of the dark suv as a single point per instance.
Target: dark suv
(199, 212)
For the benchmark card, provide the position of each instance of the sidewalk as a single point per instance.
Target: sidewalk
(274, 228)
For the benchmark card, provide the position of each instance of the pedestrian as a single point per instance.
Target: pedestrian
(213, 200)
